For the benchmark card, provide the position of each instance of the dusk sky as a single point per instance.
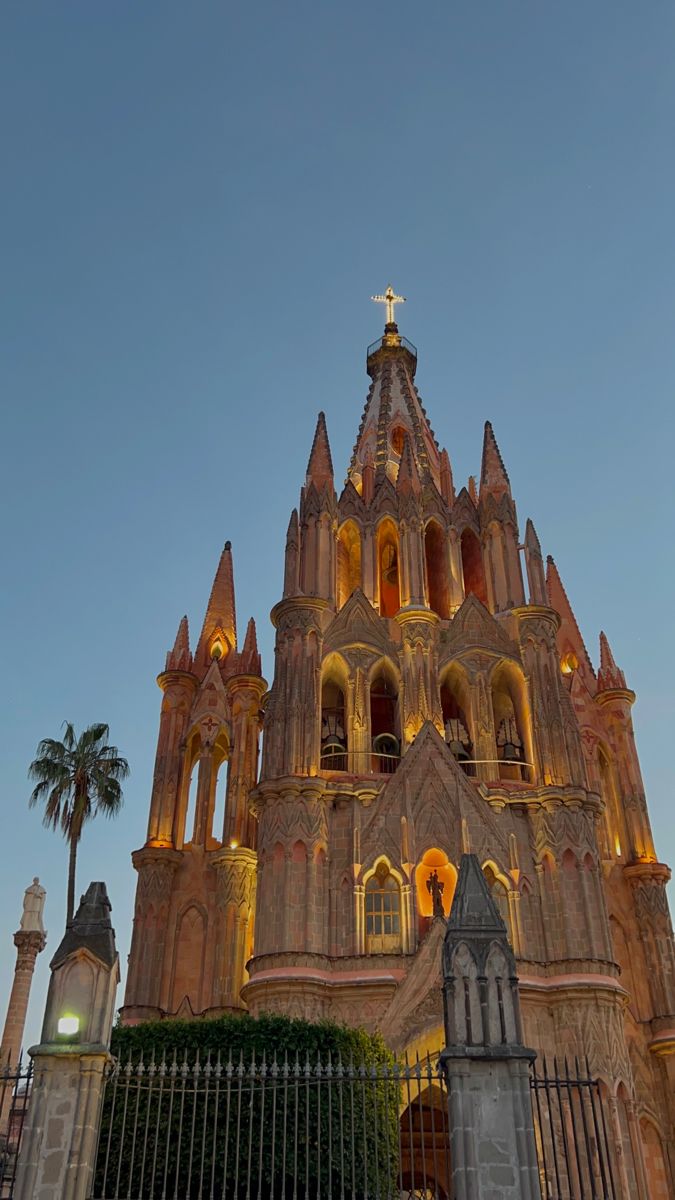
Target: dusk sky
(198, 201)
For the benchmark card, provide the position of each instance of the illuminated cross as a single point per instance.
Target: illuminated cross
(390, 299)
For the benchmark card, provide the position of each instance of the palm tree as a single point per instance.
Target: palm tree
(77, 779)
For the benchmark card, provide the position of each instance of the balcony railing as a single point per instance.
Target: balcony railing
(404, 343)
(367, 762)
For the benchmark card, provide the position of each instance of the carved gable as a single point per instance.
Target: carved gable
(357, 621)
(473, 626)
(434, 795)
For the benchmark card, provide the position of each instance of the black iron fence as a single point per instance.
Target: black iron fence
(573, 1146)
(15, 1089)
(264, 1129)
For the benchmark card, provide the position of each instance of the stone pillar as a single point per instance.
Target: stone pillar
(485, 1063)
(235, 893)
(29, 939)
(58, 1148)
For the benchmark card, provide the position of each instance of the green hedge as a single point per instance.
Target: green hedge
(234, 1130)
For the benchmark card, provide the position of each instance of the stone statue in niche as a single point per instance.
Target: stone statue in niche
(435, 888)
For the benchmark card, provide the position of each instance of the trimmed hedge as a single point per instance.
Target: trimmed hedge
(285, 1132)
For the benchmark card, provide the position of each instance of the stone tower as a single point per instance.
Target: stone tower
(432, 695)
(195, 899)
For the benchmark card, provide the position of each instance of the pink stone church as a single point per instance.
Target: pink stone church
(432, 694)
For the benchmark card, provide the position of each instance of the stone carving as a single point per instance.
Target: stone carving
(33, 908)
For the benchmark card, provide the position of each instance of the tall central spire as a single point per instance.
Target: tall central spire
(393, 411)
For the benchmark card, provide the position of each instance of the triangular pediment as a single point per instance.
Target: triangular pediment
(464, 512)
(211, 699)
(350, 503)
(473, 626)
(443, 809)
(357, 621)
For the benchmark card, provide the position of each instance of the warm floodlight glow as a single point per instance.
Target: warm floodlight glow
(68, 1026)
(569, 663)
(233, 844)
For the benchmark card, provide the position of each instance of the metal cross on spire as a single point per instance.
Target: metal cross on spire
(391, 300)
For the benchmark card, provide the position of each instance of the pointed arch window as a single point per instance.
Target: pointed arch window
(348, 561)
(383, 912)
(388, 569)
(508, 708)
(472, 566)
(454, 705)
(333, 727)
(384, 724)
(436, 563)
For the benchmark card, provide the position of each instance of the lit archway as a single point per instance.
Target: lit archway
(388, 568)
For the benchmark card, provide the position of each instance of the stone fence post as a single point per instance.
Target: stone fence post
(485, 1063)
(58, 1148)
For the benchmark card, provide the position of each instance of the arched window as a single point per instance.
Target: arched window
(398, 435)
(436, 560)
(348, 561)
(384, 724)
(608, 794)
(191, 803)
(472, 566)
(333, 727)
(507, 710)
(387, 555)
(383, 912)
(500, 896)
(454, 706)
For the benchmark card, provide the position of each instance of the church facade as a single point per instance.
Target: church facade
(432, 694)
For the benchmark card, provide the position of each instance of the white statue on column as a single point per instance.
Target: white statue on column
(33, 907)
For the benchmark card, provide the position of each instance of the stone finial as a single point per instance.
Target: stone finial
(447, 486)
(33, 908)
(534, 564)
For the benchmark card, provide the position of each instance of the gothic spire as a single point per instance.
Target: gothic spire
(494, 480)
(320, 465)
(220, 612)
(393, 411)
(609, 675)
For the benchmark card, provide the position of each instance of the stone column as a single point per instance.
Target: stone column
(235, 893)
(58, 1148)
(29, 939)
(486, 1066)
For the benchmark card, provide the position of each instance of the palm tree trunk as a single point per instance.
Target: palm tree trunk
(72, 858)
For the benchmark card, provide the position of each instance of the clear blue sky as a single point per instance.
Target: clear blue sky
(197, 202)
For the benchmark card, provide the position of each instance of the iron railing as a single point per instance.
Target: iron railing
(15, 1088)
(367, 762)
(573, 1146)
(375, 346)
(273, 1129)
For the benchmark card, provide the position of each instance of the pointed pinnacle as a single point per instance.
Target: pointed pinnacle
(293, 526)
(531, 540)
(320, 465)
(250, 658)
(220, 611)
(447, 486)
(182, 641)
(493, 477)
(179, 658)
(408, 479)
(609, 675)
